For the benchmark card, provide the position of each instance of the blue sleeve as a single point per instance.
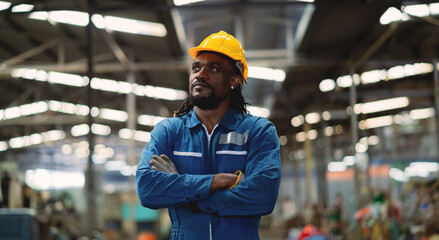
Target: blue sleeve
(257, 194)
(163, 190)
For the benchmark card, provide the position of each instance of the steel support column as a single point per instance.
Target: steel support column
(354, 140)
(90, 180)
(131, 124)
(436, 101)
(309, 166)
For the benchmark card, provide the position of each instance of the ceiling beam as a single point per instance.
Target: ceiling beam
(29, 53)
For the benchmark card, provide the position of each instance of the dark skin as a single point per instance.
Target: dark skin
(214, 75)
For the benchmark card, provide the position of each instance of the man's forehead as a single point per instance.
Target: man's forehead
(210, 58)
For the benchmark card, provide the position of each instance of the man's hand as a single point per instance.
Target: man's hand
(226, 180)
(163, 164)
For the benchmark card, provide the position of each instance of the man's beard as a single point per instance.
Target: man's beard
(210, 102)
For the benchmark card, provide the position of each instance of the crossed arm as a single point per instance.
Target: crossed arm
(162, 163)
(213, 193)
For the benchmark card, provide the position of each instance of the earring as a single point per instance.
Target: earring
(232, 87)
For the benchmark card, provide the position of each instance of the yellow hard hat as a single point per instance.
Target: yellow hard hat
(226, 44)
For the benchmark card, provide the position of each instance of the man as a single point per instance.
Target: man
(216, 167)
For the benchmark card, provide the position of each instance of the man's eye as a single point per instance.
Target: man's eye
(195, 68)
(214, 69)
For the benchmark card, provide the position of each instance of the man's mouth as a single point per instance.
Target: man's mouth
(203, 85)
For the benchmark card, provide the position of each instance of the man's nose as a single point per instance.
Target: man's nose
(201, 75)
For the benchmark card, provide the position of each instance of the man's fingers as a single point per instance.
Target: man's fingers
(156, 165)
(167, 159)
(163, 164)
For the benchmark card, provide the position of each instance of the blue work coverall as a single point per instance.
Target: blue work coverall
(238, 142)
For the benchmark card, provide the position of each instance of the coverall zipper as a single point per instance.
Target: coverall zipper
(209, 136)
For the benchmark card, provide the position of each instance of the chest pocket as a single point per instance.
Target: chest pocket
(230, 160)
(188, 159)
(233, 155)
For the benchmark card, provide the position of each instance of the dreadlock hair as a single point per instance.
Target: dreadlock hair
(236, 99)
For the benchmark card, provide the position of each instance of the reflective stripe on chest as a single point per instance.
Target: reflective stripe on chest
(234, 138)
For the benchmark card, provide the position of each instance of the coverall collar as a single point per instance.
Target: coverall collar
(229, 121)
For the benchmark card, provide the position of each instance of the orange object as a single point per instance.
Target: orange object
(147, 236)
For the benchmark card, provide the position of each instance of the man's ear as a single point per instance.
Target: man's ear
(236, 80)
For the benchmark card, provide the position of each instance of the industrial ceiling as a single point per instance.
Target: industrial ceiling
(309, 41)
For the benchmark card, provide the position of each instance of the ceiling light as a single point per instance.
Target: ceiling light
(80, 130)
(129, 134)
(326, 115)
(39, 15)
(283, 140)
(100, 129)
(129, 25)
(67, 79)
(105, 84)
(419, 10)
(329, 131)
(349, 160)
(431, 166)
(361, 148)
(36, 139)
(114, 165)
(373, 140)
(259, 111)
(391, 15)
(422, 113)
(327, 85)
(4, 5)
(142, 136)
(416, 172)
(272, 74)
(297, 121)
(66, 149)
(184, 2)
(126, 133)
(109, 22)
(312, 134)
(373, 76)
(128, 170)
(100, 84)
(396, 72)
(375, 122)
(398, 175)
(312, 118)
(434, 8)
(69, 17)
(337, 167)
(12, 112)
(381, 105)
(301, 136)
(344, 81)
(22, 8)
(363, 140)
(53, 135)
(112, 114)
(3, 146)
(28, 73)
(69, 108)
(149, 120)
(17, 142)
(34, 108)
(403, 119)
(164, 93)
